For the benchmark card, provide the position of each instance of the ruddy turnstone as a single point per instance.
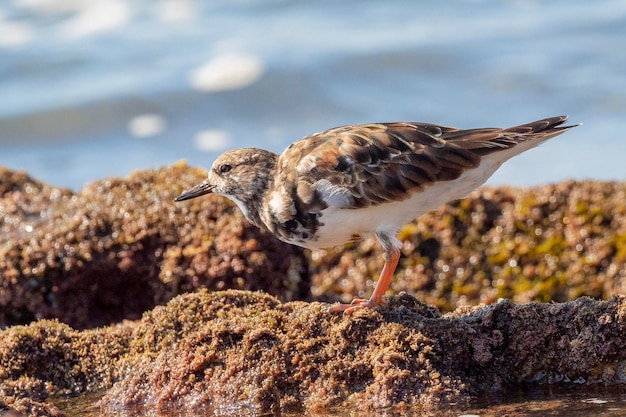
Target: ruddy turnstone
(328, 188)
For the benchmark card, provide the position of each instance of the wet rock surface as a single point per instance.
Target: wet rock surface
(253, 352)
(20, 407)
(238, 350)
(121, 246)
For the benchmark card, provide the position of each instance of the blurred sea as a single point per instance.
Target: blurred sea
(98, 88)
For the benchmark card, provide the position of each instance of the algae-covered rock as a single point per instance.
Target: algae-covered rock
(234, 349)
(50, 358)
(121, 246)
(238, 350)
(25, 407)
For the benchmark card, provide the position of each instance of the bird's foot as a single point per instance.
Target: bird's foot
(356, 304)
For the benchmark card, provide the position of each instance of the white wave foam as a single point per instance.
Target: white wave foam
(212, 140)
(227, 72)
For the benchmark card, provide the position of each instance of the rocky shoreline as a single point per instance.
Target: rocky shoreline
(78, 271)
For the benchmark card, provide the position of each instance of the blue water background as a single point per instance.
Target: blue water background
(97, 88)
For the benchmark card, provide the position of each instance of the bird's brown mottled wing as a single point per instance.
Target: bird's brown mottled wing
(383, 162)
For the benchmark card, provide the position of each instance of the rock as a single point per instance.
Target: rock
(236, 350)
(48, 358)
(22, 407)
(250, 351)
(121, 246)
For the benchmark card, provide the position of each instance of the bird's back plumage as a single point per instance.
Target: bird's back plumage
(382, 162)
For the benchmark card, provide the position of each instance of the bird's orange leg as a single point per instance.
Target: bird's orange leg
(392, 256)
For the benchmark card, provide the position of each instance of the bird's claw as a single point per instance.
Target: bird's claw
(356, 304)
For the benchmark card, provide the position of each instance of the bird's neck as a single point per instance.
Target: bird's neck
(251, 202)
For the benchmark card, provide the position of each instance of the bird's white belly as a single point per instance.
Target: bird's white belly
(340, 225)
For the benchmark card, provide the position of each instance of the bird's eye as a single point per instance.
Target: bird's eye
(224, 168)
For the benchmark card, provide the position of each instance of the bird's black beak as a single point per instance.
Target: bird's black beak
(200, 189)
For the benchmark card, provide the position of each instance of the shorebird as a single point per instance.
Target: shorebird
(334, 186)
